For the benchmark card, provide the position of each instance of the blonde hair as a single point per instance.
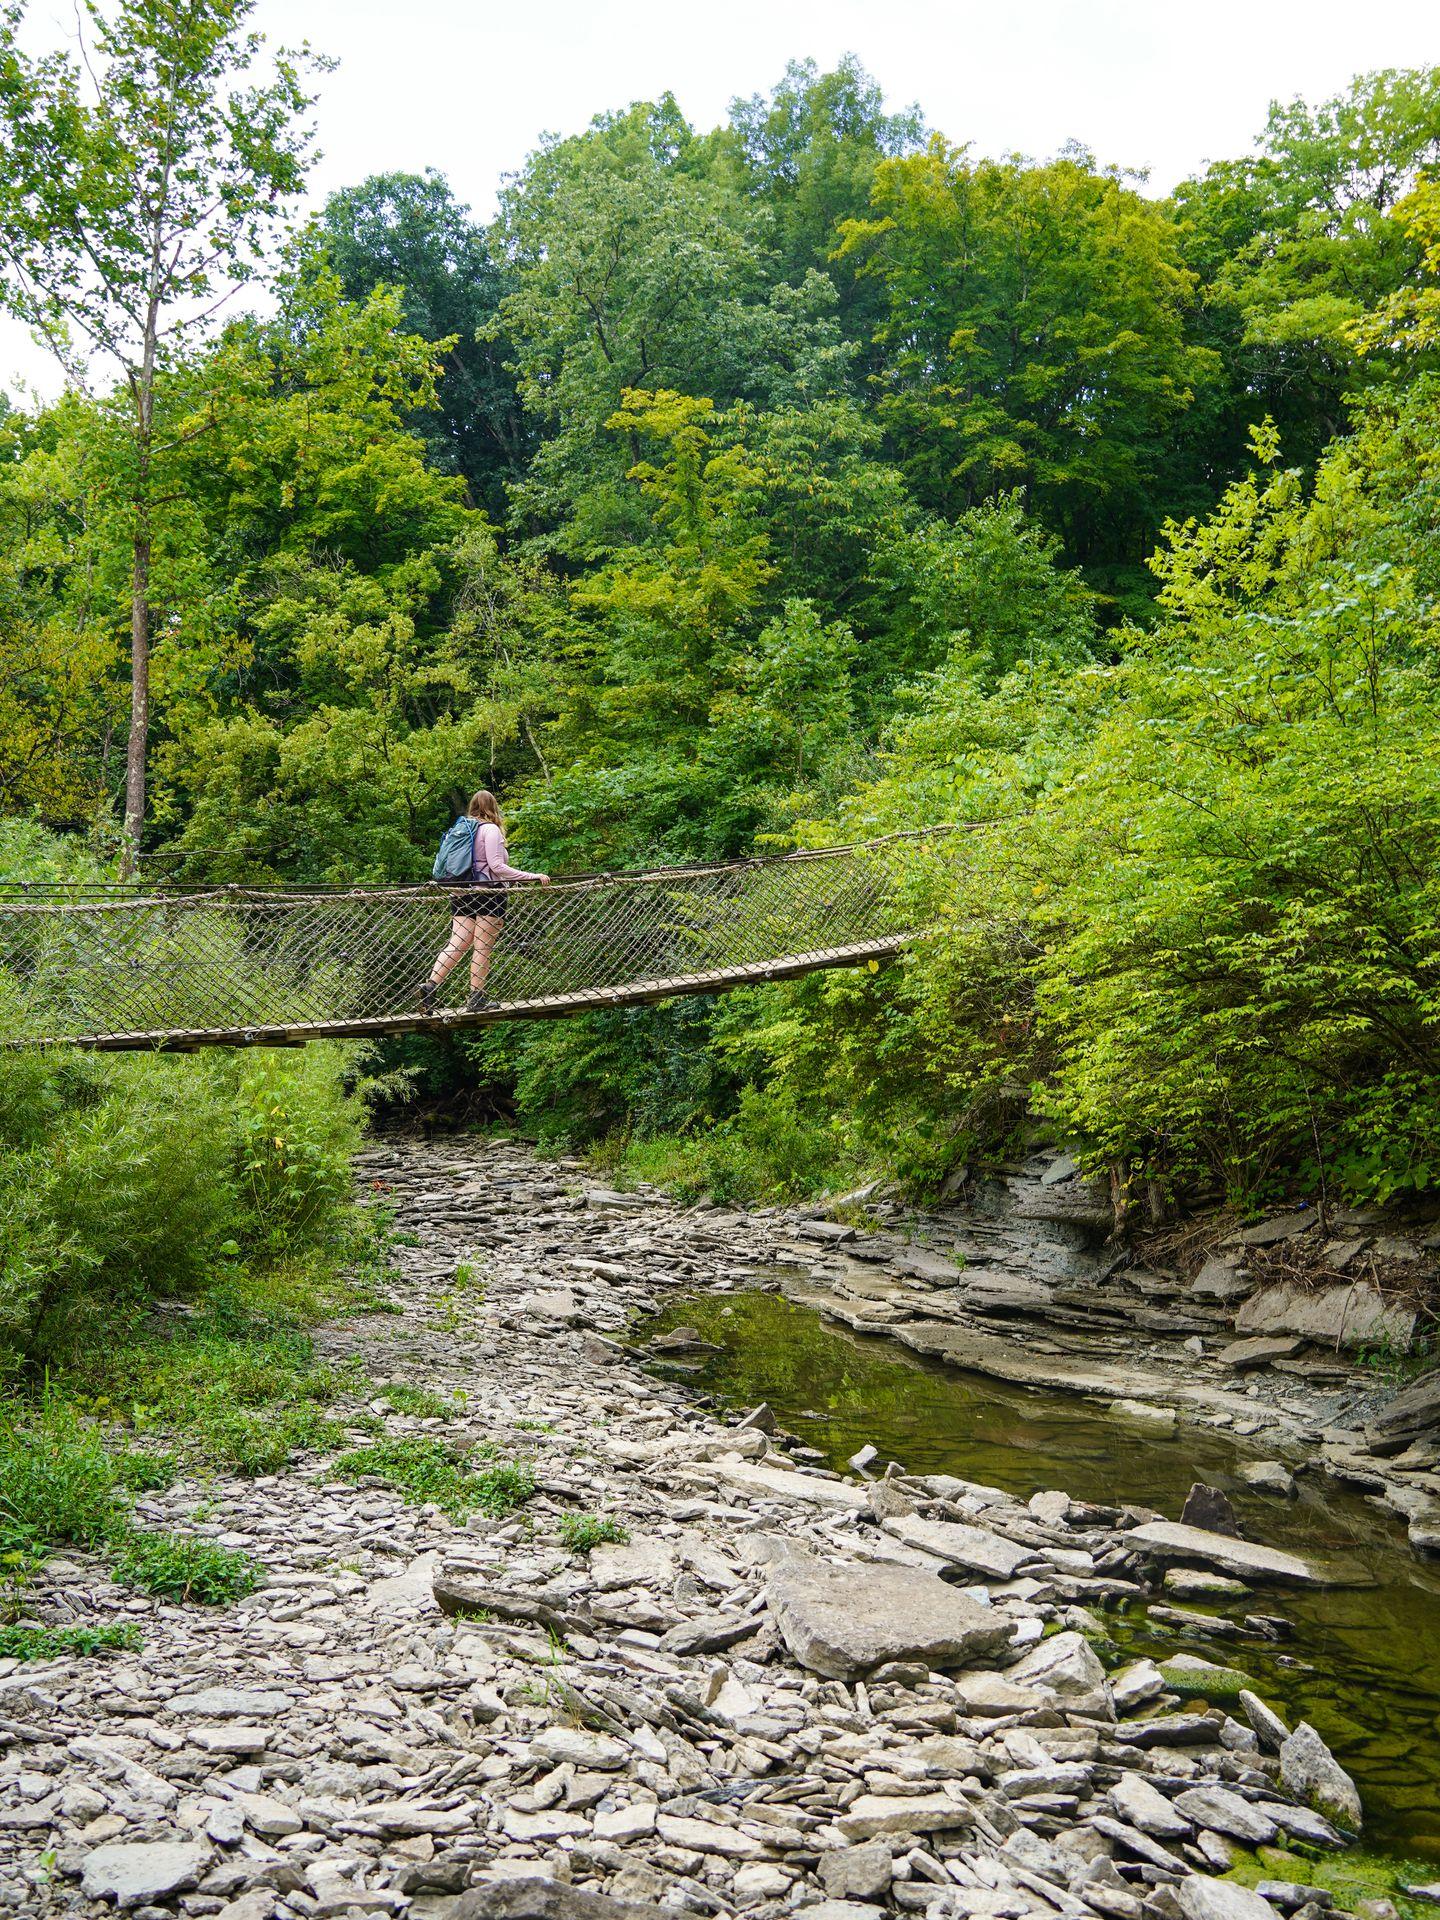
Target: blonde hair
(484, 806)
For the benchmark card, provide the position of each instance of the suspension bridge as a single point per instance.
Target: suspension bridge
(172, 968)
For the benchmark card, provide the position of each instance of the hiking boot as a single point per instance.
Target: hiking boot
(428, 991)
(476, 1002)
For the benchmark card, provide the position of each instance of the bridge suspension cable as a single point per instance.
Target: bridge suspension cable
(171, 968)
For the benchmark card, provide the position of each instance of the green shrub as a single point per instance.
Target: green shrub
(139, 1472)
(183, 1566)
(62, 1643)
(428, 1470)
(296, 1129)
(581, 1532)
(57, 1482)
(421, 1403)
(129, 1179)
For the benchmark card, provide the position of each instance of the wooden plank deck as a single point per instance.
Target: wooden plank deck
(550, 1007)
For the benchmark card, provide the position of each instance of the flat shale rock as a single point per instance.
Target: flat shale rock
(1349, 1316)
(783, 1483)
(1411, 1413)
(1066, 1662)
(1202, 1898)
(976, 1549)
(544, 1899)
(140, 1872)
(1170, 1540)
(845, 1621)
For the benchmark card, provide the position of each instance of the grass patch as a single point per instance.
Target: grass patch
(580, 1532)
(429, 1470)
(420, 1402)
(140, 1472)
(240, 1390)
(60, 1486)
(184, 1566)
(57, 1481)
(59, 1643)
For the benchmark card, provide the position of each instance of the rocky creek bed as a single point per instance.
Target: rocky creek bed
(788, 1687)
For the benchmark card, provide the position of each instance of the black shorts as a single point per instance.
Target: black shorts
(479, 903)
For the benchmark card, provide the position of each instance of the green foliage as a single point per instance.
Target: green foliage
(582, 1532)
(184, 1567)
(125, 1180)
(139, 1472)
(57, 1481)
(421, 1403)
(1201, 934)
(824, 467)
(426, 1470)
(59, 1485)
(406, 230)
(66, 1643)
(1035, 336)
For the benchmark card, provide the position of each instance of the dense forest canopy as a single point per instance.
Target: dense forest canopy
(802, 476)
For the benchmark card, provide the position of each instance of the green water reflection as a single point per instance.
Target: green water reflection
(1363, 1664)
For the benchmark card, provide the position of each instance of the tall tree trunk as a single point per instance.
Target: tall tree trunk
(136, 749)
(139, 691)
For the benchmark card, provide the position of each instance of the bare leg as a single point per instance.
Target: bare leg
(462, 936)
(487, 932)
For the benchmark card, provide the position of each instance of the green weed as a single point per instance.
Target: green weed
(428, 1470)
(146, 1472)
(421, 1402)
(57, 1482)
(184, 1566)
(56, 1643)
(582, 1531)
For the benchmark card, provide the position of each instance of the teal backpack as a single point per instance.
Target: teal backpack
(456, 858)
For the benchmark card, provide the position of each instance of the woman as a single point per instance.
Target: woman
(478, 915)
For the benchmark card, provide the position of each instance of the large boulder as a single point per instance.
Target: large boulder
(845, 1621)
(138, 1873)
(1311, 1772)
(1414, 1412)
(1353, 1315)
(1202, 1898)
(1065, 1662)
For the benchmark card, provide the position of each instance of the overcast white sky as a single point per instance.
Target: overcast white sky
(469, 85)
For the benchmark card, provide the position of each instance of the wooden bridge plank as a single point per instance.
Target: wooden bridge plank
(546, 1007)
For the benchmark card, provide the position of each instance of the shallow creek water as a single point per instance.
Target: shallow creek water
(1363, 1663)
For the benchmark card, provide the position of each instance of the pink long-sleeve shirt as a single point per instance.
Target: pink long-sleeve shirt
(490, 855)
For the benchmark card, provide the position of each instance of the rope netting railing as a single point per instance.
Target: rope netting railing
(149, 966)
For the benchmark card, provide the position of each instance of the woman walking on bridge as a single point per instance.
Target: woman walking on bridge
(478, 915)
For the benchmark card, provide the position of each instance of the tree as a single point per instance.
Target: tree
(806, 158)
(408, 230)
(1295, 244)
(633, 268)
(146, 173)
(1034, 335)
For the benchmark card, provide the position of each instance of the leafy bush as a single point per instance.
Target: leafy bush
(582, 1532)
(1201, 935)
(183, 1566)
(126, 1179)
(424, 1470)
(57, 1482)
(64, 1643)
(296, 1133)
